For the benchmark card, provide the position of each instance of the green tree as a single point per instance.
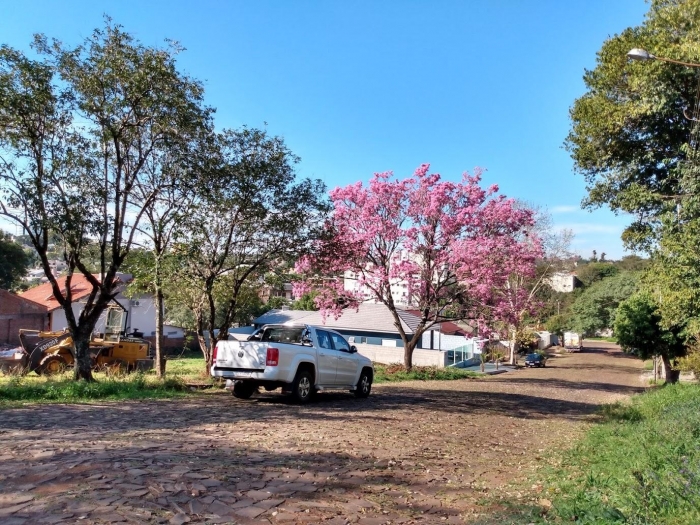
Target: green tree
(77, 127)
(596, 271)
(629, 136)
(14, 262)
(639, 330)
(255, 220)
(306, 302)
(595, 308)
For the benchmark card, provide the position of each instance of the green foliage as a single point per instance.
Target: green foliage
(558, 324)
(306, 302)
(632, 263)
(628, 133)
(691, 362)
(641, 466)
(638, 329)
(674, 278)
(392, 373)
(595, 308)
(593, 272)
(135, 386)
(14, 262)
(527, 339)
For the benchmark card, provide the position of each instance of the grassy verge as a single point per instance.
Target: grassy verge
(63, 389)
(606, 339)
(640, 466)
(391, 373)
(180, 374)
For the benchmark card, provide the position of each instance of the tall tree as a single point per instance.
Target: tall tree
(450, 243)
(595, 308)
(255, 219)
(77, 128)
(14, 262)
(518, 300)
(639, 330)
(629, 135)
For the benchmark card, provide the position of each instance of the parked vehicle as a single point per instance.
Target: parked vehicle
(50, 353)
(573, 341)
(301, 359)
(538, 360)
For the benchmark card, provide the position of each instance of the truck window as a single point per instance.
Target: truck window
(282, 335)
(324, 341)
(340, 343)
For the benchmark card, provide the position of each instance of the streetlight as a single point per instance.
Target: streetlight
(644, 55)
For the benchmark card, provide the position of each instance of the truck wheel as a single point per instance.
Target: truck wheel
(244, 389)
(303, 386)
(364, 384)
(51, 365)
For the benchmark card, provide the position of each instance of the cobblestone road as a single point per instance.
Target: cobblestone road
(421, 452)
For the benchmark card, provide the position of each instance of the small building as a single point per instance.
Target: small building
(18, 312)
(564, 282)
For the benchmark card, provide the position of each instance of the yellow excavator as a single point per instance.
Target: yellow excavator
(48, 353)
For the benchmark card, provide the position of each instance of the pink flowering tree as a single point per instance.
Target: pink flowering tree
(451, 244)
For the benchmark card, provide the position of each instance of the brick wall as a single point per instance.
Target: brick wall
(16, 313)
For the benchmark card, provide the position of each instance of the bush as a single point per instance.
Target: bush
(691, 362)
(396, 372)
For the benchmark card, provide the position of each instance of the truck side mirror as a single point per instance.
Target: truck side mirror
(353, 349)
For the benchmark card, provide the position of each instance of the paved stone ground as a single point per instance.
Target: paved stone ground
(421, 452)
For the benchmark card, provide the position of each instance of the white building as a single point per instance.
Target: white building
(563, 281)
(140, 311)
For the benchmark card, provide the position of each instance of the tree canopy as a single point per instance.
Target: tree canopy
(454, 246)
(595, 308)
(77, 127)
(629, 136)
(14, 262)
(639, 331)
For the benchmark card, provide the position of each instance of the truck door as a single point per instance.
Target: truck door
(346, 373)
(327, 358)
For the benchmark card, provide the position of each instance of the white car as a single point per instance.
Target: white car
(301, 359)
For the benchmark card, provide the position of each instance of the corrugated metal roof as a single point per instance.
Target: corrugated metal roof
(369, 317)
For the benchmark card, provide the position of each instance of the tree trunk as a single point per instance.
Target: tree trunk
(82, 368)
(514, 349)
(408, 355)
(670, 375)
(160, 356)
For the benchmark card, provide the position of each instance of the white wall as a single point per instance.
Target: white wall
(141, 317)
(388, 355)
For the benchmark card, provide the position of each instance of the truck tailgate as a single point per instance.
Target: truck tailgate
(241, 355)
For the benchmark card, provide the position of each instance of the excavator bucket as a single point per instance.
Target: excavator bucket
(35, 344)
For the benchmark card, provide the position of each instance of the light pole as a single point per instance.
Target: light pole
(644, 55)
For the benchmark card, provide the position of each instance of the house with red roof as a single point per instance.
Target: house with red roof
(140, 310)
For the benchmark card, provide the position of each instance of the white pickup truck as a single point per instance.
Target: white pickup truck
(301, 359)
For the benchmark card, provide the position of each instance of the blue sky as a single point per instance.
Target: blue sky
(357, 87)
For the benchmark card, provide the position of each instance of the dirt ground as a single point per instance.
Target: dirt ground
(419, 452)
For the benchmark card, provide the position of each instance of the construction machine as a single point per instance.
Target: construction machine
(48, 353)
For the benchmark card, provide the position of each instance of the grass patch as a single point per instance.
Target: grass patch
(640, 466)
(606, 339)
(391, 373)
(62, 389)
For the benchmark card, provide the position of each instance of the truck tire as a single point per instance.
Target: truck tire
(51, 365)
(364, 384)
(303, 386)
(244, 389)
